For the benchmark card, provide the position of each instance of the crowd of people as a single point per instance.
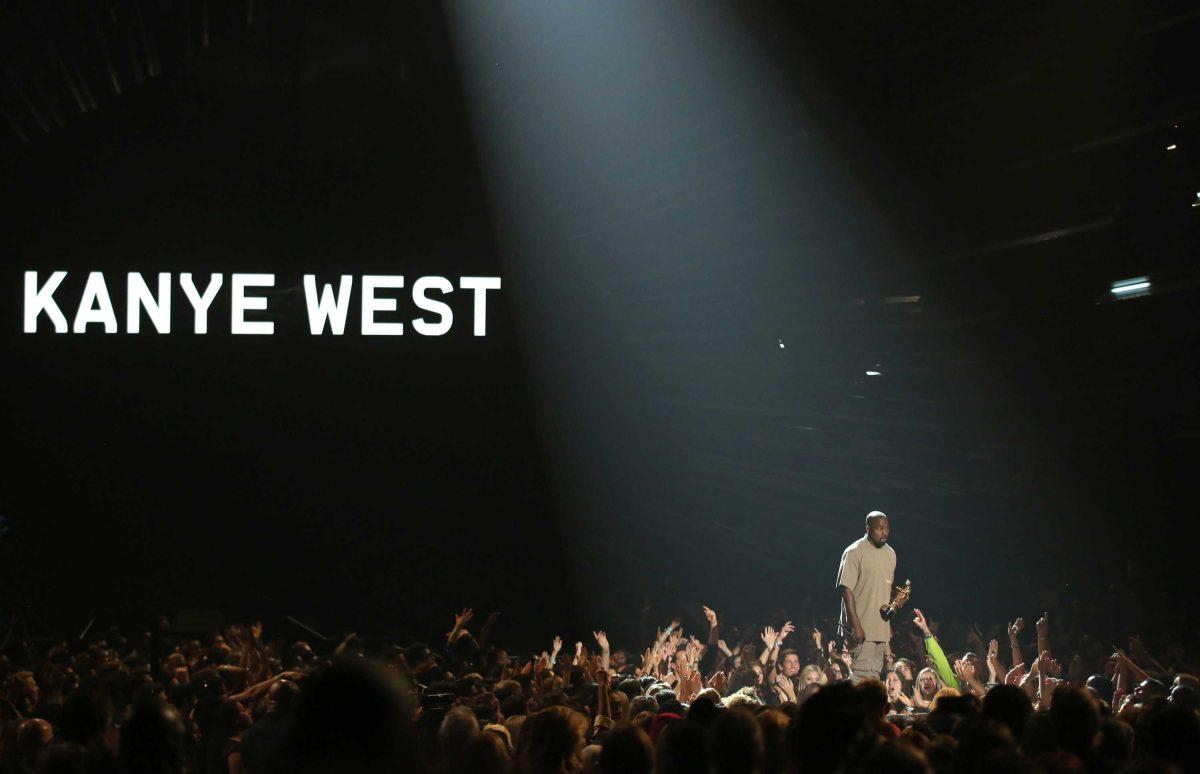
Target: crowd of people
(719, 698)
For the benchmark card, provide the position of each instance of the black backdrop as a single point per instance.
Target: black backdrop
(1025, 436)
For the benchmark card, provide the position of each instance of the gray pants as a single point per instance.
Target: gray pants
(868, 660)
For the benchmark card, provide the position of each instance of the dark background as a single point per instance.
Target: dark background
(1026, 432)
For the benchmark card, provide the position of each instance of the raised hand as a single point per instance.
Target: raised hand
(462, 618)
(786, 688)
(993, 650)
(601, 639)
(787, 629)
(920, 622)
(845, 657)
(769, 637)
(1015, 628)
(1043, 625)
(556, 646)
(710, 615)
(964, 669)
(1014, 675)
(816, 636)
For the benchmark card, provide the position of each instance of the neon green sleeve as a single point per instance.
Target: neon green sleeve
(940, 664)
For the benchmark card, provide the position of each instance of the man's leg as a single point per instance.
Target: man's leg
(868, 661)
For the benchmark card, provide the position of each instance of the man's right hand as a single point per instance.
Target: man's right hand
(859, 635)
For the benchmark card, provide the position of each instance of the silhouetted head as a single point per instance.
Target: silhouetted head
(152, 740)
(354, 716)
(282, 697)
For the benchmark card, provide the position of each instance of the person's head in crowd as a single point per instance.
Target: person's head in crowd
(978, 663)
(84, 716)
(301, 655)
(353, 716)
(627, 750)
(906, 669)
(812, 674)
(705, 708)
(152, 740)
(457, 729)
(789, 662)
(895, 757)
(1185, 678)
(1114, 745)
(829, 730)
(514, 724)
(680, 749)
(896, 685)
(836, 671)
(33, 736)
(64, 758)
(1010, 706)
(502, 732)
(1169, 734)
(1149, 689)
(669, 702)
(1075, 718)
(485, 753)
(939, 699)
(643, 704)
(551, 741)
(978, 738)
(282, 697)
(807, 692)
(1101, 685)
(928, 684)
(735, 743)
(21, 689)
(874, 697)
(744, 697)
(748, 675)
(773, 723)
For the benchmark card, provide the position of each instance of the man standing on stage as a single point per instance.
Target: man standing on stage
(865, 582)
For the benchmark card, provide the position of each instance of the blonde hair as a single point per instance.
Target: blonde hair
(809, 669)
(937, 680)
(744, 697)
(941, 695)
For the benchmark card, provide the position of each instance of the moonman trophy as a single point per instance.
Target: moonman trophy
(902, 593)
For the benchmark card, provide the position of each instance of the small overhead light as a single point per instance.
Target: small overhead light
(781, 344)
(874, 373)
(1172, 146)
(1136, 286)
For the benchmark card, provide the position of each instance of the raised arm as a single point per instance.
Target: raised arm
(940, 664)
(460, 621)
(1014, 632)
(770, 646)
(602, 641)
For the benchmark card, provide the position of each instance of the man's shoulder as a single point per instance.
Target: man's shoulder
(855, 546)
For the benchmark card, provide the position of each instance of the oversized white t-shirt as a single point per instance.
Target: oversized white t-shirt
(868, 572)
